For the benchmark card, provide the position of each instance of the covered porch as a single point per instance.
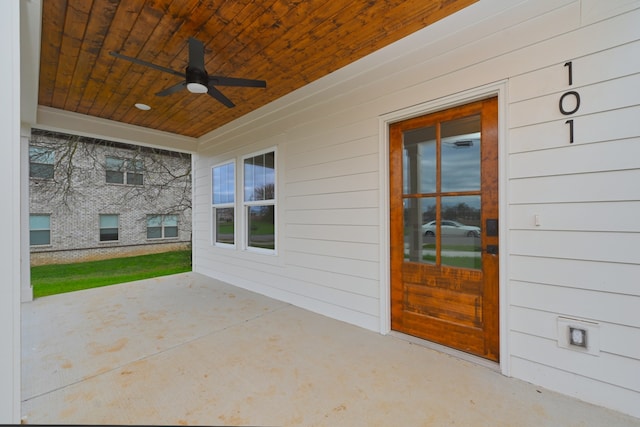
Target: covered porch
(187, 349)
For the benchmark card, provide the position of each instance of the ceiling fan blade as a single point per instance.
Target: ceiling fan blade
(196, 54)
(147, 64)
(172, 89)
(215, 93)
(234, 81)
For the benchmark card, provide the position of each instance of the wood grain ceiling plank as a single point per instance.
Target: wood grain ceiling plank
(53, 15)
(127, 74)
(289, 43)
(75, 23)
(107, 67)
(126, 12)
(354, 41)
(353, 35)
(198, 26)
(203, 106)
(264, 18)
(292, 19)
(98, 23)
(281, 53)
(165, 48)
(294, 25)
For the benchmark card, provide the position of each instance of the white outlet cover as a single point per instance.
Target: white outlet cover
(593, 335)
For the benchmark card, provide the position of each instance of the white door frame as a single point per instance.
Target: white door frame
(498, 89)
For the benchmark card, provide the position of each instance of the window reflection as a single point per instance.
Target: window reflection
(461, 233)
(461, 154)
(440, 226)
(418, 245)
(419, 170)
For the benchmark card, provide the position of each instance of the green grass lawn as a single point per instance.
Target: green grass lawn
(61, 278)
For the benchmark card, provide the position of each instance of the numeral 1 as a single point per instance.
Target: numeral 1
(569, 65)
(570, 123)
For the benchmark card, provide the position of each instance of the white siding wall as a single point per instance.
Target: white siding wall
(581, 262)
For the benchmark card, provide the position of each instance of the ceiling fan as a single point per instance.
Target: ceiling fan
(196, 79)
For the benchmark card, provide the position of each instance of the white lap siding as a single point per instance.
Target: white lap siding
(582, 260)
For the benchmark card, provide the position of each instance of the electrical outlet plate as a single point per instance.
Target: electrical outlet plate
(591, 339)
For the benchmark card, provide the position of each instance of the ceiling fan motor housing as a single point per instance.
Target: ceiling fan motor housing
(197, 80)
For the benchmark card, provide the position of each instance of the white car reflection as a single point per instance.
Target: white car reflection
(451, 228)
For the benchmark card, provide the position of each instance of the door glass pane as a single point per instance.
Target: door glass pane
(461, 154)
(419, 161)
(460, 229)
(419, 242)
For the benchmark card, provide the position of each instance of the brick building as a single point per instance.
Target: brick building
(94, 199)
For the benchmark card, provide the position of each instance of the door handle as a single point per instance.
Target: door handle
(492, 249)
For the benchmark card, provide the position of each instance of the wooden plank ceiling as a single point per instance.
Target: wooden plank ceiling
(288, 43)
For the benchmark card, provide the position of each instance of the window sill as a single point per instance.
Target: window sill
(124, 185)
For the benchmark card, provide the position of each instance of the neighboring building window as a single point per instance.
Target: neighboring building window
(41, 161)
(259, 200)
(108, 228)
(162, 226)
(223, 184)
(39, 230)
(124, 171)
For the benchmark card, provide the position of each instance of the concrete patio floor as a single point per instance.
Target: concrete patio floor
(187, 349)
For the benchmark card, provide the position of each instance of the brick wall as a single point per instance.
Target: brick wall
(78, 194)
(95, 254)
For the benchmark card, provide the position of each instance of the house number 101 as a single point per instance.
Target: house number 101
(566, 98)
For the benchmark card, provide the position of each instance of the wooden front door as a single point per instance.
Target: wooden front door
(444, 227)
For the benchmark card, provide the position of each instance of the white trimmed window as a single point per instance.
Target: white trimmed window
(162, 226)
(260, 200)
(39, 230)
(124, 171)
(223, 198)
(109, 227)
(41, 161)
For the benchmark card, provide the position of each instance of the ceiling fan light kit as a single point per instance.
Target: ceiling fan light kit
(196, 79)
(197, 88)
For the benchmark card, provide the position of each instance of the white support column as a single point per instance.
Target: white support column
(26, 290)
(10, 248)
